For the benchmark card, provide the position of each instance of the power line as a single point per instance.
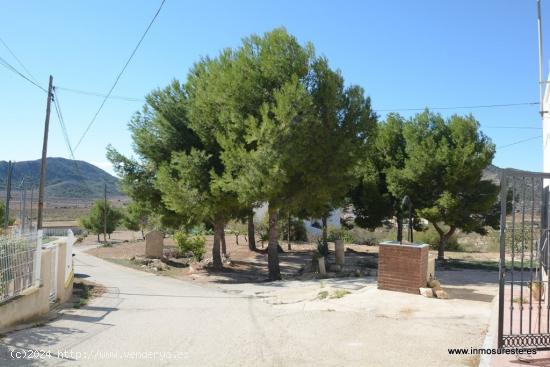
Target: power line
(519, 142)
(512, 127)
(95, 94)
(119, 75)
(62, 123)
(18, 61)
(461, 107)
(10, 67)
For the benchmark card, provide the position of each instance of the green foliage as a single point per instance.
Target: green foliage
(191, 243)
(136, 217)
(373, 202)
(94, 222)
(11, 220)
(298, 230)
(322, 248)
(431, 237)
(340, 234)
(443, 173)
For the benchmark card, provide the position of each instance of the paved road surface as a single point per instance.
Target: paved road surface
(146, 320)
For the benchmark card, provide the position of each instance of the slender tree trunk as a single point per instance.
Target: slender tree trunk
(251, 234)
(142, 234)
(289, 246)
(325, 232)
(237, 239)
(98, 237)
(216, 257)
(224, 247)
(272, 247)
(443, 238)
(399, 227)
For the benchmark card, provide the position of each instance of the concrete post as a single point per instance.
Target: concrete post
(322, 269)
(340, 251)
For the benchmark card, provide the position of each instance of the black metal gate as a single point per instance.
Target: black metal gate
(524, 309)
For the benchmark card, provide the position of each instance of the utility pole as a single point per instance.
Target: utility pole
(105, 214)
(8, 196)
(23, 194)
(32, 200)
(541, 75)
(44, 157)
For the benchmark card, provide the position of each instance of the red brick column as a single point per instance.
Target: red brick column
(402, 268)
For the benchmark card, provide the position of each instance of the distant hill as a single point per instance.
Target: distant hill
(492, 173)
(65, 178)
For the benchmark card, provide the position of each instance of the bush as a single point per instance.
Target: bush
(191, 243)
(339, 234)
(431, 237)
(322, 248)
(298, 230)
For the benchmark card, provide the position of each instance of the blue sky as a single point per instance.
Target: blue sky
(406, 54)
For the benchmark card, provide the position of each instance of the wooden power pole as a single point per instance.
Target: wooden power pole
(44, 157)
(8, 196)
(105, 214)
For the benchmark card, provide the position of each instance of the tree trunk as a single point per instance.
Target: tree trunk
(289, 247)
(325, 232)
(224, 247)
(251, 234)
(216, 257)
(443, 238)
(98, 237)
(399, 227)
(272, 251)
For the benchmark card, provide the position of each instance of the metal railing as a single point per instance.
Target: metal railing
(19, 263)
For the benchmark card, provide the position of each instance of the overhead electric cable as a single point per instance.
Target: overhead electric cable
(10, 67)
(118, 76)
(519, 142)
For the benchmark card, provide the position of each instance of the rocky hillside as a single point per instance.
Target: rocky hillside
(65, 178)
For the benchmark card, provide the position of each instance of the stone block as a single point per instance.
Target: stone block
(426, 292)
(154, 244)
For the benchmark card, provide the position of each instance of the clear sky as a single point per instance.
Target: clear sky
(406, 54)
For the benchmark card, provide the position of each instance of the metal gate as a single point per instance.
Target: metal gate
(524, 307)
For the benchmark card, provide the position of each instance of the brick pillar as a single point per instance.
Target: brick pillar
(402, 268)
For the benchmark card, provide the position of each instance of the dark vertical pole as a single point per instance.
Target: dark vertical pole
(105, 213)
(24, 216)
(44, 157)
(21, 205)
(32, 201)
(502, 262)
(8, 196)
(289, 223)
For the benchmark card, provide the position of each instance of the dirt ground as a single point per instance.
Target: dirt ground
(243, 265)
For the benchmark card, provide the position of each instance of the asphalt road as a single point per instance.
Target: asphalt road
(146, 320)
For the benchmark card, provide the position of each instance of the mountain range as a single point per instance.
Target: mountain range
(65, 178)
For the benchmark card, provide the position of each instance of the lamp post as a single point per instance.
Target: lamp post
(407, 203)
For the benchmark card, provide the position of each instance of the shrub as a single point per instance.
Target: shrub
(431, 237)
(322, 248)
(191, 243)
(298, 230)
(339, 234)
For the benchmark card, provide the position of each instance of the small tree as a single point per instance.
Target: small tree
(95, 221)
(442, 173)
(136, 217)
